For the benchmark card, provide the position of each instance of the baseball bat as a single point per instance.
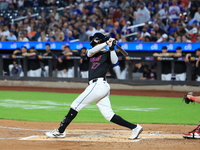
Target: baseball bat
(121, 50)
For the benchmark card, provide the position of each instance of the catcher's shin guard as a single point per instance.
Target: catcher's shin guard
(68, 118)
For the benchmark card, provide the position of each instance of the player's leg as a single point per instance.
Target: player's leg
(30, 73)
(38, 72)
(117, 71)
(46, 72)
(168, 77)
(106, 110)
(10, 69)
(182, 76)
(70, 72)
(163, 77)
(90, 94)
(123, 74)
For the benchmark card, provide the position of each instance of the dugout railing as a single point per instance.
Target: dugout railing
(77, 78)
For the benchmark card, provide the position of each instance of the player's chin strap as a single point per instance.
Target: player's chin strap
(68, 118)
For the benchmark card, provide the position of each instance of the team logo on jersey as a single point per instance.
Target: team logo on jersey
(93, 59)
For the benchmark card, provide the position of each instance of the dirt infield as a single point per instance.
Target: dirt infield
(23, 135)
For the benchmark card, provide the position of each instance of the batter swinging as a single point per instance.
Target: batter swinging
(98, 90)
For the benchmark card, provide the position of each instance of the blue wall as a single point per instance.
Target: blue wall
(78, 45)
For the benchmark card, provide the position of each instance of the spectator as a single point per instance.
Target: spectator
(143, 14)
(83, 37)
(117, 14)
(173, 27)
(31, 34)
(124, 4)
(181, 30)
(22, 38)
(163, 14)
(91, 31)
(157, 29)
(43, 37)
(198, 38)
(174, 11)
(5, 32)
(3, 5)
(138, 37)
(113, 3)
(104, 4)
(197, 15)
(161, 24)
(185, 39)
(147, 38)
(193, 7)
(100, 29)
(144, 32)
(11, 37)
(20, 3)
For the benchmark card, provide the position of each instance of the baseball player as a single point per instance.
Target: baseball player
(84, 63)
(45, 62)
(179, 66)
(190, 98)
(166, 74)
(16, 67)
(34, 69)
(98, 90)
(120, 70)
(61, 67)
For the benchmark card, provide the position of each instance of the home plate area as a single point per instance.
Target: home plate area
(107, 136)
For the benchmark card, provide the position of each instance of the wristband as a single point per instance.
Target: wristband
(193, 98)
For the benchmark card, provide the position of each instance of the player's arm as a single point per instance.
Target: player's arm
(99, 47)
(29, 54)
(96, 49)
(194, 98)
(187, 57)
(177, 54)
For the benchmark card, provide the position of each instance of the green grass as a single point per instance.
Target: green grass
(52, 107)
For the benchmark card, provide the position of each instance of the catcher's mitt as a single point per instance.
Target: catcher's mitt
(187, 100)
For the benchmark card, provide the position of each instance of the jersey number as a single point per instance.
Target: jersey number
(95, 65)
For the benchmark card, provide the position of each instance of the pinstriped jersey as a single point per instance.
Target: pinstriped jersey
(99, 65)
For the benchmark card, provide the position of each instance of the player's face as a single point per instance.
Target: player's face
(47, 47)
(164, 50)
(24, 50)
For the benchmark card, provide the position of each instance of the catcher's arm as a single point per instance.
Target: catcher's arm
(194, 98)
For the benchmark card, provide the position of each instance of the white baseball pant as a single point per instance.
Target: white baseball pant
(166, 77)
(34, 73)
(181, 76)
(97, 92)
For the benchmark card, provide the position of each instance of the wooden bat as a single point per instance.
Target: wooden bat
(121, 50)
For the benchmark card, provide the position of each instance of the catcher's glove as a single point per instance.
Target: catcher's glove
(187, 100)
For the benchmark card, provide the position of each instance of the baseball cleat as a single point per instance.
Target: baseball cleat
(192, 135)
(135, 132)
(55, 134)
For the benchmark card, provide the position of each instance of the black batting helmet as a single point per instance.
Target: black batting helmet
(97, 38)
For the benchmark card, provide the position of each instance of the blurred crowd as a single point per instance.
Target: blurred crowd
(76, 20)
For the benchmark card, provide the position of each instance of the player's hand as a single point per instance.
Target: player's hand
(111, 42)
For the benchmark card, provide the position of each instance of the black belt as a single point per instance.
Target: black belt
(95, 80)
